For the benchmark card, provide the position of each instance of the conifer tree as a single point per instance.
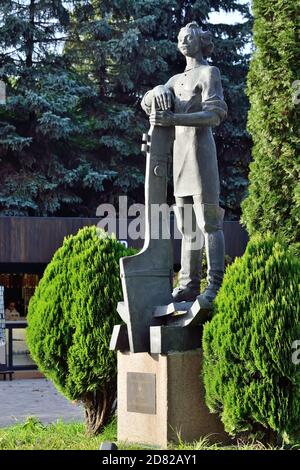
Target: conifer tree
(251, 359)
(70, 321)
(273, 202)
(39, 167)
(70, 133)
(131, 46)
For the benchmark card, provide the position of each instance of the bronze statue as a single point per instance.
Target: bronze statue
(193, 102)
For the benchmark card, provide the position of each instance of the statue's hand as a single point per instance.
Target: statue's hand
(162, 118)
(163, 97)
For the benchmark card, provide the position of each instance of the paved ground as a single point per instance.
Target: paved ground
(37, 397)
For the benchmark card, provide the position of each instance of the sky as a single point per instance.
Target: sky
(230, 18)
(223, 17)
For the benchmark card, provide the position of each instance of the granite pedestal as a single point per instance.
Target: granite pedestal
(161, 399)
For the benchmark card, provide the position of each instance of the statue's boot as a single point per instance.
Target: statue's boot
(191, 255)
(210, 220)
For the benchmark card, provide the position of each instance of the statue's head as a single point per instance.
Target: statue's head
(192, 39)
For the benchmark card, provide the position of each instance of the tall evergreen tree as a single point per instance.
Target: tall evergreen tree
(232, 56)
(39, 165)
(130, 46)
(70, 133)
(274, 192)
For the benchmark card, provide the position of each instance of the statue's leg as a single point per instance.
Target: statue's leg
(191, 251)
(210, 220)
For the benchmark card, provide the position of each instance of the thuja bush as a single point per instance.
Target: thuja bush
(273, 202)
(250, 378)
(70, 321)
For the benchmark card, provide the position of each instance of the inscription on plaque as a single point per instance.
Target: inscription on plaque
(141, 393)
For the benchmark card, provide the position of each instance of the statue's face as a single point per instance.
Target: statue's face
(188, 42)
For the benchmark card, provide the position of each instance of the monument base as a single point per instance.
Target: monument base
(161, 399)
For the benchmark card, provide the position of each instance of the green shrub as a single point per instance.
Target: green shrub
(274, 119)
(249, 375)
(71, 317)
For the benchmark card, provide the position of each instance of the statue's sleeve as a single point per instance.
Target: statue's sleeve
(212, 93)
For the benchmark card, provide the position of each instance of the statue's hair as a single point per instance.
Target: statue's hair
(206, 38)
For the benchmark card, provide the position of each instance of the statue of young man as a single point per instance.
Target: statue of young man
(196, 97)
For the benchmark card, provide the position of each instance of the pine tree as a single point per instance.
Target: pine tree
(71, 131)
(131, 46)
(232, 56)
(39, 165)
(274, 192)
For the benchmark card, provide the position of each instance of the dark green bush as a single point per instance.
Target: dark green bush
(250, 378)
(71, 317)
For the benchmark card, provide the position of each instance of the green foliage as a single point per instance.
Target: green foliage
(249, 375)
(33, 435)
(73, 311)
(75, 71)
(130, 47)
(273, 202)
(41, 119)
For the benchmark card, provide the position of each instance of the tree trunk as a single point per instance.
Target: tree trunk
(274, 439)
(29, 35)
(267, 436)
(100, 407)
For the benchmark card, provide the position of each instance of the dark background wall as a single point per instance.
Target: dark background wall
(33, 240)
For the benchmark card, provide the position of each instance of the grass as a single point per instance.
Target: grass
(33, 435)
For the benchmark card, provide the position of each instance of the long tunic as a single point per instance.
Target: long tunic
(195, 167)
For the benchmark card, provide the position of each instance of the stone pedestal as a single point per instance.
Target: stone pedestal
(161, 397)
